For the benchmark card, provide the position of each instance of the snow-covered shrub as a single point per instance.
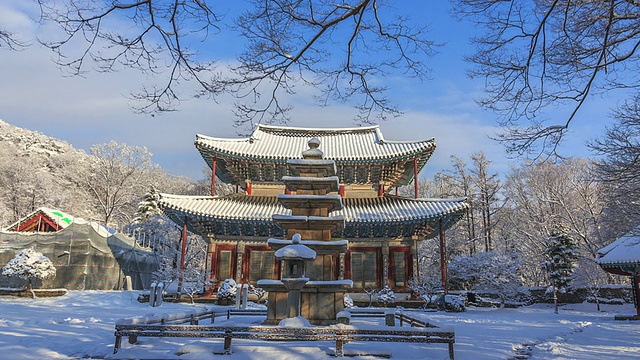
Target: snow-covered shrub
(487, 272)
(30, 265)
(348, 301)
(451, 303)
(258, 292)
(426, 288)
(386, 295)
(227, 290)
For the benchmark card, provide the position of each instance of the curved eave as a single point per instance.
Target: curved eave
(388, 216)
(625, 269)
(368, 147)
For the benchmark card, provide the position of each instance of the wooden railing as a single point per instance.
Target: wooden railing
(168, 326)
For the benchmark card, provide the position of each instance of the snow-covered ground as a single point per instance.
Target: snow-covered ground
(81, 325)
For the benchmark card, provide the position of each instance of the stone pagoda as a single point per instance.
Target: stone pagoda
(312, 195)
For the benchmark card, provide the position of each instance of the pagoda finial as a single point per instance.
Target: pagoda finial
(313, 152)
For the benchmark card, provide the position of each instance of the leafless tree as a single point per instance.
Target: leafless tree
(460, 176)
(544, 195)
(323, 44)
(115, 179)
(619, 168)
(488, 186)
(537, 54)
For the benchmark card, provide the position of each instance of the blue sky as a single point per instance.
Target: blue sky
(93, 109)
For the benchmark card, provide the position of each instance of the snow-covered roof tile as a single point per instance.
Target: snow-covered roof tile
(346, 144)
(625, 250)
(380, 209)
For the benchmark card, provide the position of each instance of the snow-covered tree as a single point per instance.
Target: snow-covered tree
(487, 272)
(561, 255)
(194, 281)
(30, 265)
(148, 206)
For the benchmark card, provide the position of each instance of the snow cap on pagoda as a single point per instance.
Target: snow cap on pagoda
(313, 152)
(295, 251)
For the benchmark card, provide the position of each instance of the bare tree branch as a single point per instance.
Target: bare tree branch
(151, 41)
(343, 50)
(9, 41)
(536, 56)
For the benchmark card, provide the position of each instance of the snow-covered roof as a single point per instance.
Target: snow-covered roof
(360, 143)
(60, 218)
(624, 252)
(400, 214)
(272, 146)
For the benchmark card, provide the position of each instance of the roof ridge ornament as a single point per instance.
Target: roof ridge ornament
(313, 152)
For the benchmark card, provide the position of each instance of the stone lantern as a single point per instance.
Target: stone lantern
(294, 257)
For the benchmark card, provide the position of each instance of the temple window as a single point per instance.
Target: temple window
(398, 269)
(261, 265)
(364, 268)
(225, 265)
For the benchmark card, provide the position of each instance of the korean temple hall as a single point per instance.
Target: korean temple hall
(383, 229)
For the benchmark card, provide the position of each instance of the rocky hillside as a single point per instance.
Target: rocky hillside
(27, 142)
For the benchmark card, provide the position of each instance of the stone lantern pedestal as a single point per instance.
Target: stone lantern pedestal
(294, 257)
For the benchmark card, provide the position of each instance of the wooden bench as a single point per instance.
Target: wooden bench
(420, 332)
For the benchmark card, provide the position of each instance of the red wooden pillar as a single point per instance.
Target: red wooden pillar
(415, 176)
(287, 191)
(443, 258)
(380, 190)
(341, 190)
(214, 164)
(249, 190)
(183, 253)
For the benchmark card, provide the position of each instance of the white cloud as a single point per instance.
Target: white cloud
(35, 95)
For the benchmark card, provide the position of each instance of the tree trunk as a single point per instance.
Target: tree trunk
(30, 289)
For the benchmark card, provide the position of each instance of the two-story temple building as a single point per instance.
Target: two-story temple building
(383, 229)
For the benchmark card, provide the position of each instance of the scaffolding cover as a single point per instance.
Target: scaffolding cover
(86, 255)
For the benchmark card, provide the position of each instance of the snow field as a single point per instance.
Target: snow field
(81, 325)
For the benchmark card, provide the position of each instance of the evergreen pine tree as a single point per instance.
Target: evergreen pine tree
(148, 207)
(561, 258)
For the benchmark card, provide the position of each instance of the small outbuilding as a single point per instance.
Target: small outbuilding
(622, 257)
(87, 255)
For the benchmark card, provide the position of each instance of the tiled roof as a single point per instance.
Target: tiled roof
(404, 215)
(343, 145)
(623, 252)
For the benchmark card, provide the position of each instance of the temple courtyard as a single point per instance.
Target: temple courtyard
(81, 325)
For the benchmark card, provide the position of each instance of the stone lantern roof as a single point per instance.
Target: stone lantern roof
(295, 251)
